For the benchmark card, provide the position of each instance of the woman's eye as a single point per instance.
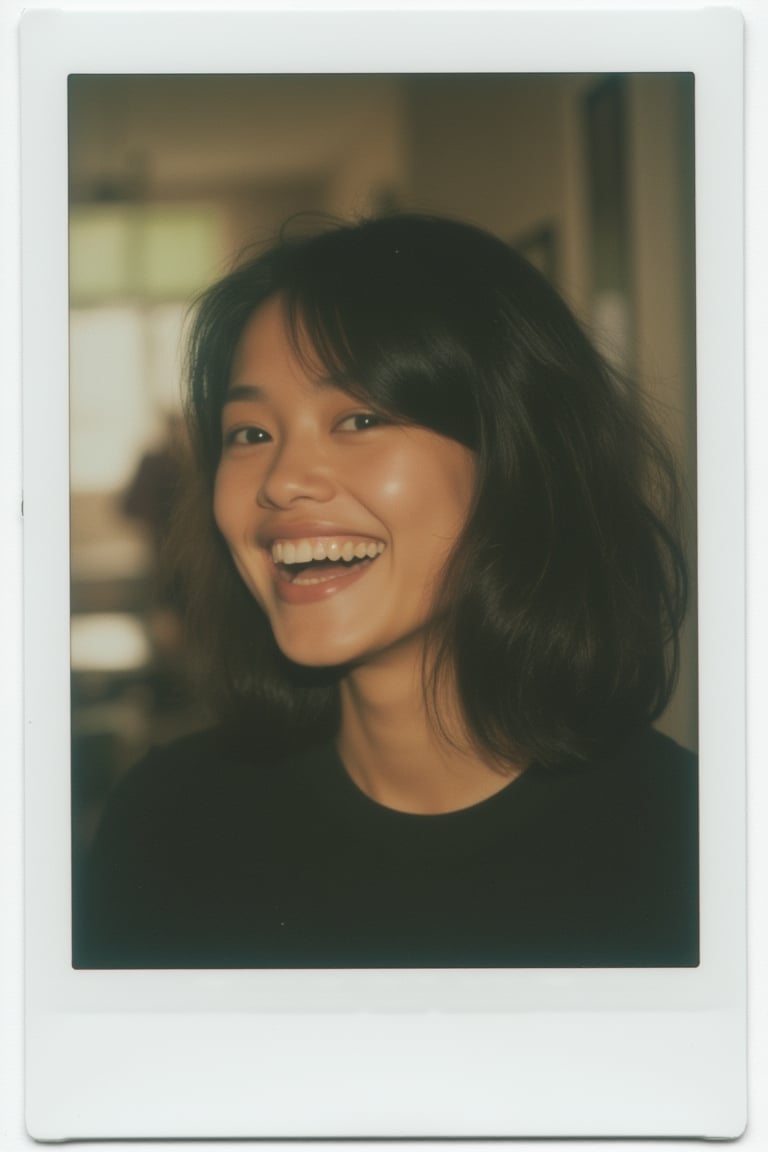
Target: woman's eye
(243, 437)
(359, 422)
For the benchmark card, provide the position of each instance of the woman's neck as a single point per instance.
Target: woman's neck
(393, 751)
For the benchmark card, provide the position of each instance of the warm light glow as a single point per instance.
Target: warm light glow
(108, 642)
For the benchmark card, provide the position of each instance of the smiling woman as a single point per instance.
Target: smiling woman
(312, 494)
(432, 557)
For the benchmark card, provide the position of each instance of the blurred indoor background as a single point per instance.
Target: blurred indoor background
(592, 177)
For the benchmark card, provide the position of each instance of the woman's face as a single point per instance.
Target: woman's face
(338, 520)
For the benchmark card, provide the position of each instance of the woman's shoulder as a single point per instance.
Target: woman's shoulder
(655, 764)
(638, 803)
(654, 757)
(208, 767)
(650, 781)
(657, 748)
(185, 764)
(199, 749)
(646, 759)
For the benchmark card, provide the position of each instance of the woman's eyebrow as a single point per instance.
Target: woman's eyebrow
(244, 392)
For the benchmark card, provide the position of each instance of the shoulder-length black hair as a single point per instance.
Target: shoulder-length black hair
(562, 601)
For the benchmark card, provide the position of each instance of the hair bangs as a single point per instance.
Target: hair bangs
(382, 329)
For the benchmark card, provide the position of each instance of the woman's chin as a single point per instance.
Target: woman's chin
(318, 653)
(351, 653)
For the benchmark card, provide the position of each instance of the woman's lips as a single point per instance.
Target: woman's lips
(309, 569)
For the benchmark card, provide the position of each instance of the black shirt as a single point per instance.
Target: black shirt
(208, 857)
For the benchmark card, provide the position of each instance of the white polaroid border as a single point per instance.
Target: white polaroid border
(457, 1053)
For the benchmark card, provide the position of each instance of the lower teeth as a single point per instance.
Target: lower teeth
(304, 578)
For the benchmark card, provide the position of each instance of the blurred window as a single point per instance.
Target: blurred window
(141, 252)
(109, 642)
(133, 270)
(111, 409)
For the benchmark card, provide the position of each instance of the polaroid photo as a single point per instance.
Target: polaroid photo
(384, 574)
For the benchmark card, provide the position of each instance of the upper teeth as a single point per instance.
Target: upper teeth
(302, 551)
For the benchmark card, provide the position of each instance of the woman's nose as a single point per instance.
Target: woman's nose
(297, 471)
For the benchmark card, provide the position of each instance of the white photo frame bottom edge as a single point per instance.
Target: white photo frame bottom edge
(581, 1073)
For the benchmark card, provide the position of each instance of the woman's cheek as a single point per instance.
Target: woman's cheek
(219, 503)
(227, 501)
(392, 481)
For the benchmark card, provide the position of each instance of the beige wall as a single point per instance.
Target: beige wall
(488, 149)
(663, 258)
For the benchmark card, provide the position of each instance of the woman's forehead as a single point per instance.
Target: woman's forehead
(270, 339)
(267, 365)
(275, 343)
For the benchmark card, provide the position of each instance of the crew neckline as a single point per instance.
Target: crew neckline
(355, 793)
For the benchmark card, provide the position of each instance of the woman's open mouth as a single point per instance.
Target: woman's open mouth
(321, 566)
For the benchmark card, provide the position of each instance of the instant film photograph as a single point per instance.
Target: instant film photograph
(283, 818)
(379, 395)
